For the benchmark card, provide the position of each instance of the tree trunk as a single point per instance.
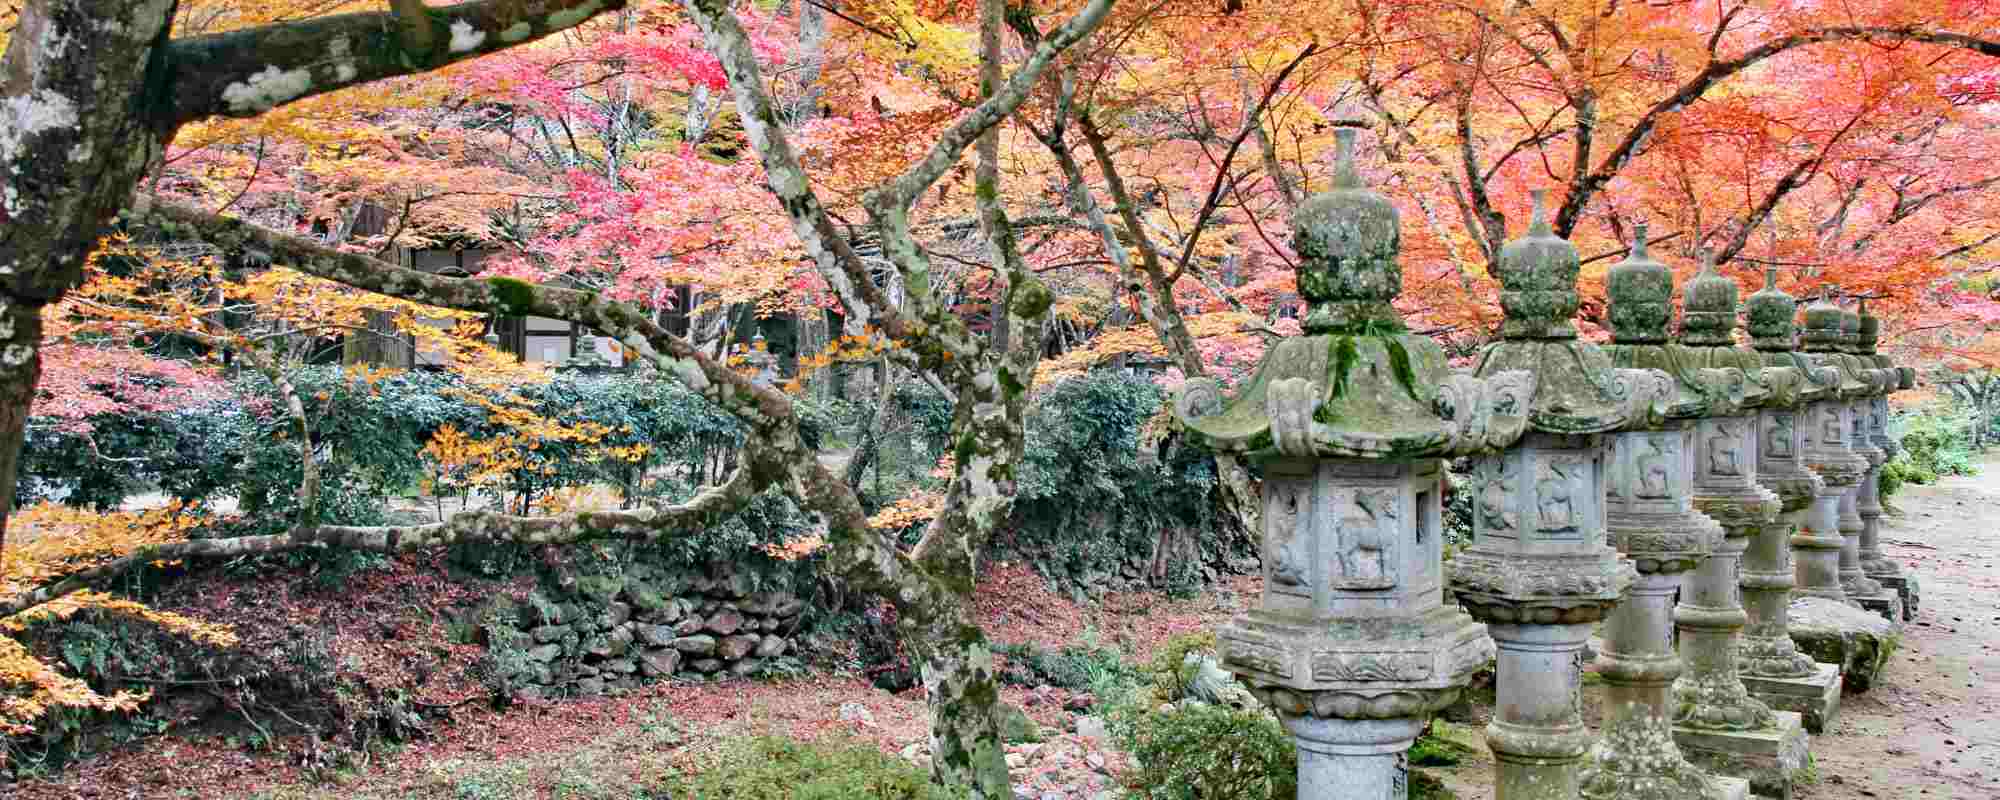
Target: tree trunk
(20, 369)
(963, 691)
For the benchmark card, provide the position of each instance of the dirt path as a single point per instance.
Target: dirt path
(1931, 727)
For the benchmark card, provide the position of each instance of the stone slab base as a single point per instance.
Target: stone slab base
(1906, 588)
(1767, 759)
(1889, 604)
(1732, 789)
(1857, 641)
(1816, 698)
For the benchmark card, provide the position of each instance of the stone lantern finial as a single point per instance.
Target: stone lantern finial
(1708, 306)
(1769, 315)
(1347, 240)
(1537, 275)
(1824, 322)
(1638, 290)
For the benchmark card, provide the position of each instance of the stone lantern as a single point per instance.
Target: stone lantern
(1769, 664)
(1352, 643)
(1861, 588)
(1717, 723)
(1882, 570)
(1652, 520)
(1539, 571)
(1826, 620)
(1828, 425)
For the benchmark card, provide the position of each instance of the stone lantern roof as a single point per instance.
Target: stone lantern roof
(1770, 313)
(1708, 323)
(1871, 334)
(1641, 289)
(1577, 390)
(1357, 385)
(1827, 334)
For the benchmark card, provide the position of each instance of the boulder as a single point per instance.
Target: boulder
(767, 624)
(745, 668)
(660, 662)
(1857, 641)
(689, 626)
(772, 647)
(700, 645)
(590, 686)
(790, 607)
(706, 665)
(725, 622)
(621, 666)
(616, 614)
(732, 648)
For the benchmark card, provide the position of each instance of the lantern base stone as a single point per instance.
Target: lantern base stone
(1886, 602)
(1907, 589)
(1768, 758)
(1816, 697)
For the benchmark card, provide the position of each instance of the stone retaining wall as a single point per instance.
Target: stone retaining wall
(584, 635)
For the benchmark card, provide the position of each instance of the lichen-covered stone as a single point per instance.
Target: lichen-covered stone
(698, 644)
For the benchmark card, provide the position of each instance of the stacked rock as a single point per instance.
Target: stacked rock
(591, 634)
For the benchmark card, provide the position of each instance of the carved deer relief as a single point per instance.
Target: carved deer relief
(1492, 478)
(1558, 491)
(1367, 541)
(1653, 467)
(1779, 441)
(1829, 423)
(1293, 560)
(1722, 451)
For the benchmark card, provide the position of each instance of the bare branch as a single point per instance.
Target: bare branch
(248, 72)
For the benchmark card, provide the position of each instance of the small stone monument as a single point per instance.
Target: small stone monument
(1769, 664)
(1719, 726)
(1352, 643)
(1883, 570)
(1826, 622)
(1652, 520)
(1539, 571)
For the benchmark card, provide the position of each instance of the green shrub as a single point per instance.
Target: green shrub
(1169, 673)
(771, 768)
(1087, 499)
(1936, 441)
(1201, 752)
(1076, 667)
